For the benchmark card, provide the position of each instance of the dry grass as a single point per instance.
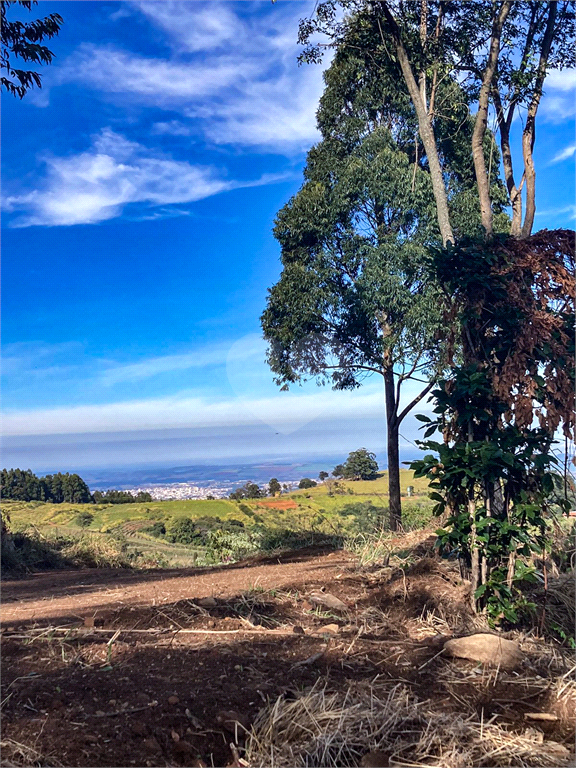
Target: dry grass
(16, 755)
(336, 728)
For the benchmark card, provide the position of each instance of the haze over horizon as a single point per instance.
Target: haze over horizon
(137, 240)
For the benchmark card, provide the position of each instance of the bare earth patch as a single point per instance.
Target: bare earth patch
(219, 667)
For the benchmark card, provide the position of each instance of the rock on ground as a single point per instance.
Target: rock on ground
(487, 649)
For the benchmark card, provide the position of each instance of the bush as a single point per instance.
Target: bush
(84, 519)
(157, 530)
(306, 482)
(183, 531)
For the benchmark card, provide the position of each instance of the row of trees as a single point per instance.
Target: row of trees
(400, 259)
(119, 497)
(24, 485)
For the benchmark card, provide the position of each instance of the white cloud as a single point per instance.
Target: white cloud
(199, 358)
(566, 153)
(234, 76)
(171, 128)
(96, 185)
(567, 210)
(194, 411)
(194, 28)
(157, 82)
(559, 100)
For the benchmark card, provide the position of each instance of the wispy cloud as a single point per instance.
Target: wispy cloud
(38, 359)
(199, 358)
(565, 154)
(232, 77)
(568, 211)
(281, 412)
(96, 185)
(559, 102)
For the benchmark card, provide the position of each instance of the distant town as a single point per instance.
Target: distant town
(181, 491)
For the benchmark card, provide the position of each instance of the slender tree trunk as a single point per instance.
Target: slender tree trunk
(481, 123)
(514, 192)
(529, 133)
(425, 126)
(393, 452)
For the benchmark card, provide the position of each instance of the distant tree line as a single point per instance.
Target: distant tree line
(119, 497)
(24, 485)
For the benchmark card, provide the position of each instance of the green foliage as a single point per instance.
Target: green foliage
(360, 465)
(306, 482)
(84, 519)
(23, 485)
(157, 529)
(323, 476)
(338, 470)
(184, 531)
(274, 487)
(249, 490)
(120, 497)
(494, 472)
(23, 40)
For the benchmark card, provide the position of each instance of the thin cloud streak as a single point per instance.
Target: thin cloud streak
(98, 184)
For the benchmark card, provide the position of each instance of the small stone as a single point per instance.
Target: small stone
(175, 736)
(208, 602)
(298, 630)
(152, 744)
(91, 738)
(375, 759)
(328, 601)
(99, 713)
(173, 699)
(112, 702)
(89, 621)
(138, 728)
(182, 747)
(327, 629)
(487, 649)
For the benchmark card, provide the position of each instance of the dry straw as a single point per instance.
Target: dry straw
(336, 728)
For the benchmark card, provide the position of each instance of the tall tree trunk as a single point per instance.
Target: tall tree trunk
(481, 123)
(529, 133)
(514, 192)
(393, 452)
(425, 126)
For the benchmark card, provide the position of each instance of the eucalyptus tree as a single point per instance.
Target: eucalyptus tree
(355, 297)
(510, 301)
(22, 40)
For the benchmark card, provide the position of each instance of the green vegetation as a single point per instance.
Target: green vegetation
(207, 532)
(23, 485)
(306, 482)
(248, 491)
(119, 497)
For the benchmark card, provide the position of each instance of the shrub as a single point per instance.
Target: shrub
(157, 530)
(84, 519)
(306, 482)
(183, 531)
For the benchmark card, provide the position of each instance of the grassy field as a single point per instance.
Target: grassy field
(334, 510)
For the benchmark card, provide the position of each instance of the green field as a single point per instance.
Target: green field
(343, 510)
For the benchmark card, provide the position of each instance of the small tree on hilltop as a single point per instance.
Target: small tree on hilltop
(323, 476)
(274, 487)
(306, 482)
(338, 470)
(361, 465)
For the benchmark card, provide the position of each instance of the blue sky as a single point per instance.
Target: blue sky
(139, 191)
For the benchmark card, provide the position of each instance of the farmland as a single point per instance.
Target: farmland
(334, 510)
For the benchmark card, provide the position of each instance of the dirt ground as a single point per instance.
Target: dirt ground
(170, 667)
